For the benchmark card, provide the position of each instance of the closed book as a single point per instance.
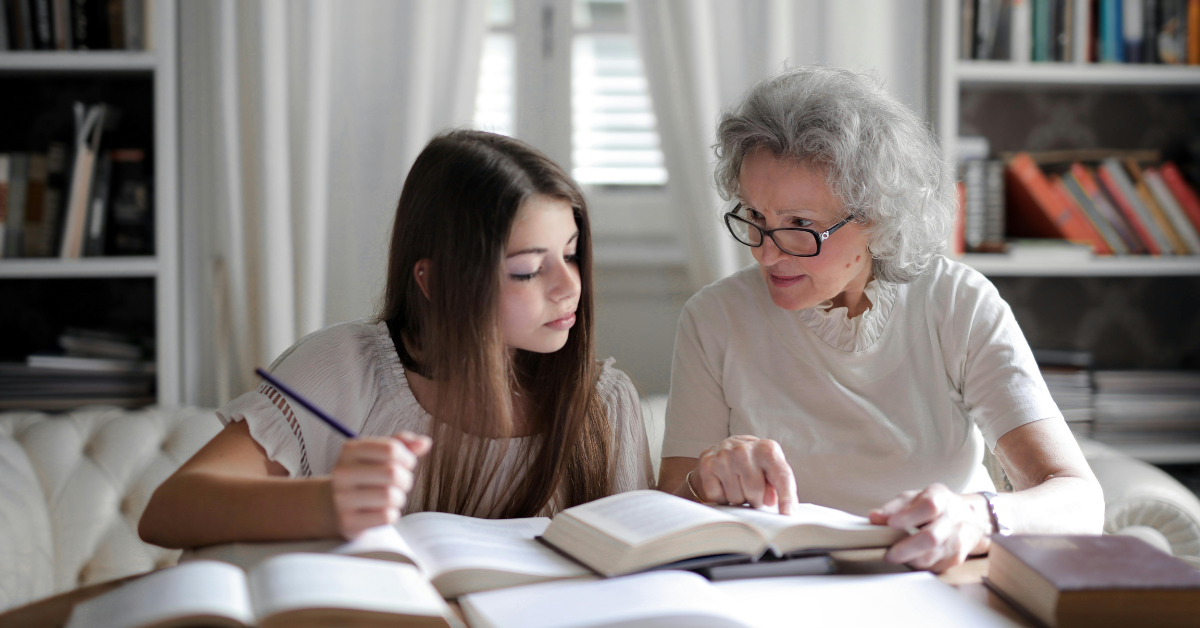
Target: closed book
(958, 245)
(35, 207)
(1036, 210)
(4, 37)
(1041, 30)
(1104, 239)
(1150, 31)
(1020, 46)
(98, 208)
(57, 161)
(18, 180)
(1156, 211)
(43, 25)
(89, 122)
(1104, 205)
(1170, 206)
(62, 24)
(1155, 242)
(130, 229)
(993, 237)
(4, 160)
(1131, 30)
(1189, 201)
(975, 177)
(23, 23)
(1127, 175)
(966, 44)
(1111, 34)
(1081, 33)
(1172, 31)
(1094, 581)
(1193, 32)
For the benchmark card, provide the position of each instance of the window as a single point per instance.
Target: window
(609, 138)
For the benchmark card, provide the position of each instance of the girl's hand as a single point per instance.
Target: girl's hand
(745, 470)
(372, 479)
(949, 526)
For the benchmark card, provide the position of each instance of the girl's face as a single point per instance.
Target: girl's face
(780, 193)
(541, 285)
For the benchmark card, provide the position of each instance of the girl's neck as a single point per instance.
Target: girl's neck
(426, 390)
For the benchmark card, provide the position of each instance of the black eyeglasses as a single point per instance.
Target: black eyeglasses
(791, 240)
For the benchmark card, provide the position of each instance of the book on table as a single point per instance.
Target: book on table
(1094, 581)
(639, 530)
(294, 590)
(457, 554)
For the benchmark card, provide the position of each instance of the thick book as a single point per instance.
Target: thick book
(1036, 210)
(639, 530)
(1189, 201)
(1094, 581)
(456, 554)
(293, 590)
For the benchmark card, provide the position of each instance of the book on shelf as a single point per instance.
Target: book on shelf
(639, 530)
(18, 186)
(1093, 581)
(1099, 234)
(4, 172)
(1147, 406)
(1156, 211)
(1037, 210)
(298, 590)
(456, 554)
(129, 229)
(98, 365)
(1172, 209)
(1120, 188)
(89, 124)
(1184, 194)
(76, 25)
(1107, 218)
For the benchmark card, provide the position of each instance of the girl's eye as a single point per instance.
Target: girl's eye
(572, 258)
(525, 277)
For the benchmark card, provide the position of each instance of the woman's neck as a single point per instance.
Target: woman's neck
(854, 297)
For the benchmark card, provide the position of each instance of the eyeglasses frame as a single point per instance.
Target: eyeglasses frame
(821, 237)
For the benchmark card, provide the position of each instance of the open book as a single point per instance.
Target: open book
(634, 531)
(457, 554)
(294, 590)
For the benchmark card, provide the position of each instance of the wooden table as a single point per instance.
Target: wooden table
(52, 612)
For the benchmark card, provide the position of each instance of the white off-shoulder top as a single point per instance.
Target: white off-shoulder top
(352, 371)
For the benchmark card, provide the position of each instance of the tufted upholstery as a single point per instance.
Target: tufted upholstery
(73, 486)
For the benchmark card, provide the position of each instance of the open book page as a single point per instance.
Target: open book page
(200, 589)
(381, 542)
(293, 582)
(640, 516)
(445, 543)
(660, 598)
(894, 600)
(813, 526)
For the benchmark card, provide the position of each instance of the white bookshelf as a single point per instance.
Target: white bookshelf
(1005, 73)
(160, 65)
(1050, 265)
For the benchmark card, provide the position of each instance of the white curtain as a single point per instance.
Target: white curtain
(299, 121)
(701, 55)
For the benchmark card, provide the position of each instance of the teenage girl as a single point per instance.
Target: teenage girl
(480, 365)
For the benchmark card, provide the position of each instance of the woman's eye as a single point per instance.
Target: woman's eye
(802, 222)
(525, 276)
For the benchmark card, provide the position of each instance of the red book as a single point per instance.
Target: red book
(1131, 215)
(1099, 244)
(1181, 191)
(1107, 210)
(958, 242)
(1036, 210)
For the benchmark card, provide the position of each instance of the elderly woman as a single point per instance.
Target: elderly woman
(854, 366)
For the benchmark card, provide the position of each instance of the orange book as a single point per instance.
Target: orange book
(1131, 216)
(1036, 210)
(1107, 211)
(1156, 212)
(1182, 192)
(1100, 246)
(958, 242)
(1193, 32)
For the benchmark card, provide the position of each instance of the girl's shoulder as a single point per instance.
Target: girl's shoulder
(353, 348)
(617, 391)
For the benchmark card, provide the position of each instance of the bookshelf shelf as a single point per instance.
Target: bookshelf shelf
(1002, 265)
(85, 267)
(1006, 73)
(78, 61)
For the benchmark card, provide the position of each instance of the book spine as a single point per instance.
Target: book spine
(1107, 208)
(1131, 30)
(1080, 228)
(966, 31)
(56, 196)
(35, 202)
(133, 24)
(62, 24)
(1035, 210)
(959, 241)
(79, 24)
(1041, 30)
(1066, 29)
(994, 232)
(1172, 36)
(1187, 197)
(18, 185)
(98, 208)
(4, 38)
(1172, 209)
(1104, 238)
(1150, 31)
(1141, 197)
(116, 24)
(1080, 36)
(983, 28)
(1020, 34)
(43, 25)
(24, 24)
(1153, 242)
(4, 161)
(1193, 32)
(976, 203)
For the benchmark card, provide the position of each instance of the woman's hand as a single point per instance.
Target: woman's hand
(372, 479)
(745, 470)
(949, 526)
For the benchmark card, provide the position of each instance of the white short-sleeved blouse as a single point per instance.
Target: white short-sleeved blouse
(352, 372)
(902, 396)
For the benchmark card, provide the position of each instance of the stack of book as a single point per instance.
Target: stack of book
(78, 200)
(1114, 202)
(1081, 31)
(981, 198)
(93, 368)
(76, 24)
(1069, 378)
(1147, 406)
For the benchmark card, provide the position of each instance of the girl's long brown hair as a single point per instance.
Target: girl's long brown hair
(456, 210)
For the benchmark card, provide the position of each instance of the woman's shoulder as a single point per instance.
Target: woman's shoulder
(954, 289)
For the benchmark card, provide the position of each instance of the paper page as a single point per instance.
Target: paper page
(639, 516)
(303, 581)
(894, 600)
(445, 542)
(199, 588)
(378, 542)
(660, 598)
(772, 523)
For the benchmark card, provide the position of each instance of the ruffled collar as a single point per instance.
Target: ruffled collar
(836, 329)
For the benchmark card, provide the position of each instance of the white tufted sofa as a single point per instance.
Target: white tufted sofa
(73, 486)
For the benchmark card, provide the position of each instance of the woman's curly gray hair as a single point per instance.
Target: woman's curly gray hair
(882, 161)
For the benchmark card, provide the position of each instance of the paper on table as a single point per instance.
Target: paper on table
(199, 588)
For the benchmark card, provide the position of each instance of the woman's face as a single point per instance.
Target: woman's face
(541, 285)
(781, 193)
